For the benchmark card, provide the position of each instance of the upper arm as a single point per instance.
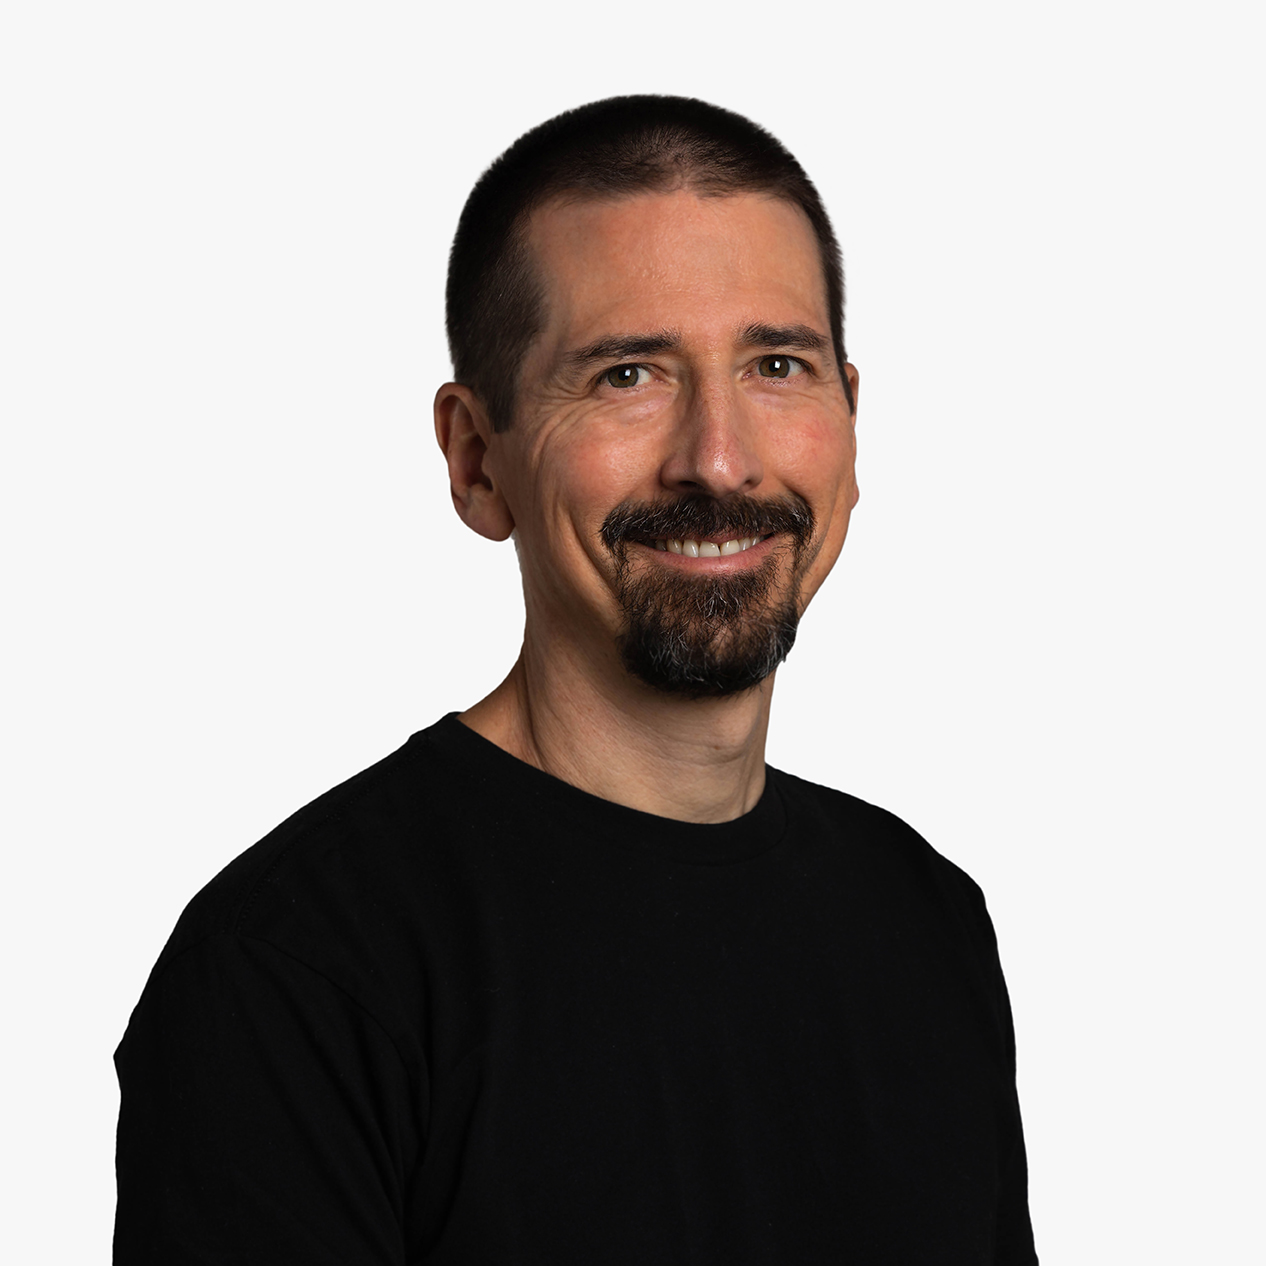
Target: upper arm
(266, 1117)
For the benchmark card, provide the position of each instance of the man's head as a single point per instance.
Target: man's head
(679, 469)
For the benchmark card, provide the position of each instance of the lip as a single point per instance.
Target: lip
(751, 557)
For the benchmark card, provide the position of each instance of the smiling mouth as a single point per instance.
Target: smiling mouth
(706, 549)
(702, 529)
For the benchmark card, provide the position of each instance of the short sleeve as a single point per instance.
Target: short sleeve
(266, 1118)
(1014, 1231)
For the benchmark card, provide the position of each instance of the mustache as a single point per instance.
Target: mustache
(698, 515)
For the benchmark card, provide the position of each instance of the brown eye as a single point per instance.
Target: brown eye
(779, 366)
(623, 376)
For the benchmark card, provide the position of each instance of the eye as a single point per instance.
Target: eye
(779, 367)
(626, 376)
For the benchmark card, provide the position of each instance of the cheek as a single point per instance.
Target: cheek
(816, 459)
(574, 478)
(588, 473)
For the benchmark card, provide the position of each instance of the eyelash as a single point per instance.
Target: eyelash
(804, 368)
(602, 377)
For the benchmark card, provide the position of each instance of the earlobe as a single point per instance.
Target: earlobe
(464, 434)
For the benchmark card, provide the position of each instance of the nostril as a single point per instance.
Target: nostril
(712, 447)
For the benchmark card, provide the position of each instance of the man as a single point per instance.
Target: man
(573, 977)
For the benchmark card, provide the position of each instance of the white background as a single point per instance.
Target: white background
(234, 577)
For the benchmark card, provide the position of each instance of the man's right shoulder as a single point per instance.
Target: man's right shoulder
(335, 855)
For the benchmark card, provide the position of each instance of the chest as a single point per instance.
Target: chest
(652, 1058)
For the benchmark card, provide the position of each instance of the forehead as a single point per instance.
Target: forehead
(696, 264)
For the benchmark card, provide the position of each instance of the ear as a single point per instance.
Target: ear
(850, 374)
(464, 432)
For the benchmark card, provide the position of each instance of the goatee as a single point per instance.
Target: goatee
(709, 636)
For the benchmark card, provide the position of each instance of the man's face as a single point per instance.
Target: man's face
(680, 466)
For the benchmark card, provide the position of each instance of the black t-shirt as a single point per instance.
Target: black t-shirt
(458, 1011)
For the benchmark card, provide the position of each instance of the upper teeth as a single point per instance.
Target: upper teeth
(708, 549)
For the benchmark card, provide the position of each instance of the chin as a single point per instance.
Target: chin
(707, 638)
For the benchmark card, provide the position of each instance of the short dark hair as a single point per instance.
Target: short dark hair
(606, 149)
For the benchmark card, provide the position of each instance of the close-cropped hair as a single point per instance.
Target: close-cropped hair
(607, 149)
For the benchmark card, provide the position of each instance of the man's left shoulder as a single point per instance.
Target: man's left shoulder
(873, 839)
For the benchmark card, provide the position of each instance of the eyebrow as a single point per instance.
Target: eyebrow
(622, 347)
(803, 338)
(618, 347)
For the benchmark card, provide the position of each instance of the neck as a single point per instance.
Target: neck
(696, 760)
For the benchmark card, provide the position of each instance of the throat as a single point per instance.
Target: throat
(693, 760)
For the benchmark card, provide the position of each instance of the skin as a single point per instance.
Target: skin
(700, 416)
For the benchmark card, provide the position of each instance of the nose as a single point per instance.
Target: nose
(713, 448)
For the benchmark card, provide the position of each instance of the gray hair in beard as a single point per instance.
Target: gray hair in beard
(708, 636)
